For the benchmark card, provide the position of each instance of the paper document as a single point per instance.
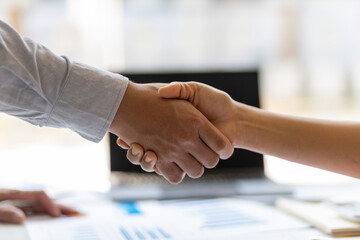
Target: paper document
(226, 218)
(320, 216)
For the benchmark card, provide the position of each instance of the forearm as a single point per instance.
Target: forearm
(48, 90)
(332, 146)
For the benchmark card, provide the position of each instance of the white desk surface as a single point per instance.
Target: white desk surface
(8, 232)
(13, 232)
(16, 232)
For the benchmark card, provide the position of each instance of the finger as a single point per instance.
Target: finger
(122, 144)
(148, 161)
(11, 214)
(40, 199)
(178, 90)
(171, 172)
(191, 167)
(217, 141)
(47, 203)
(135, 153)
(203, 154)
(65, 210)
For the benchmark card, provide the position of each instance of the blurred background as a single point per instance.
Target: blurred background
(307, 52)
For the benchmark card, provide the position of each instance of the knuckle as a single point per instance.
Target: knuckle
(193, 117)
(220, 143)
(228, 99)
(196, 120)
(186, 140)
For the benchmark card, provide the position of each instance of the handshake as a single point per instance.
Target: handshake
(181, 128)
(176, 129)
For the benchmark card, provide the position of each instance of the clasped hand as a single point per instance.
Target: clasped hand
(184, 139)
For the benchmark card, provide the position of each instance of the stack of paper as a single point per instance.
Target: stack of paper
(320, 216)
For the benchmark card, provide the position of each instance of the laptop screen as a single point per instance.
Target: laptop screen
(242, 86)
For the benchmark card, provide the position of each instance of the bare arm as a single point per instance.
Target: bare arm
(329, 145)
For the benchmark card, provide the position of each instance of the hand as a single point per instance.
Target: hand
(216, 105)
(182, 138)
(137, 156)
(34, 202)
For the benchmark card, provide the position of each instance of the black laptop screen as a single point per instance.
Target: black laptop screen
(241, 86)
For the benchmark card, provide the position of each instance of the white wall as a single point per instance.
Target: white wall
(308, 52)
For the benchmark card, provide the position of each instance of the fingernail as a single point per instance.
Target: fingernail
(148, 160)
(134, 151)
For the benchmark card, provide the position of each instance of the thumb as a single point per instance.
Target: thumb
(184, 91)
(11, 214)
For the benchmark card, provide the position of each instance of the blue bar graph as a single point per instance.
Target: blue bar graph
(164, 234)
(152, 234)
(144, 233)
(85, 232)
(125, 233)
(140, 235)
(214, 213)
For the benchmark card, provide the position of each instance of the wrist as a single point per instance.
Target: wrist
(246, 117)
(138, 102)
(126, 104)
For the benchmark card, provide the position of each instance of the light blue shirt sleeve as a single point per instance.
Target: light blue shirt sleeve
(47, 90)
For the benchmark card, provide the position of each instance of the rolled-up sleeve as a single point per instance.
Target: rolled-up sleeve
(48, 90)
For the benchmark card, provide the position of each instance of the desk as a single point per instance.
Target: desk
(13, 232)
(20, 233)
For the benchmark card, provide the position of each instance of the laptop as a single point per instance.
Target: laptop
(241, 174)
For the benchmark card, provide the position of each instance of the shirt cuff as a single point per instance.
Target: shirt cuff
(88, 101)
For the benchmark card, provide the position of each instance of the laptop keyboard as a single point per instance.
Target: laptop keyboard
(135, 186)
(150, 178)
